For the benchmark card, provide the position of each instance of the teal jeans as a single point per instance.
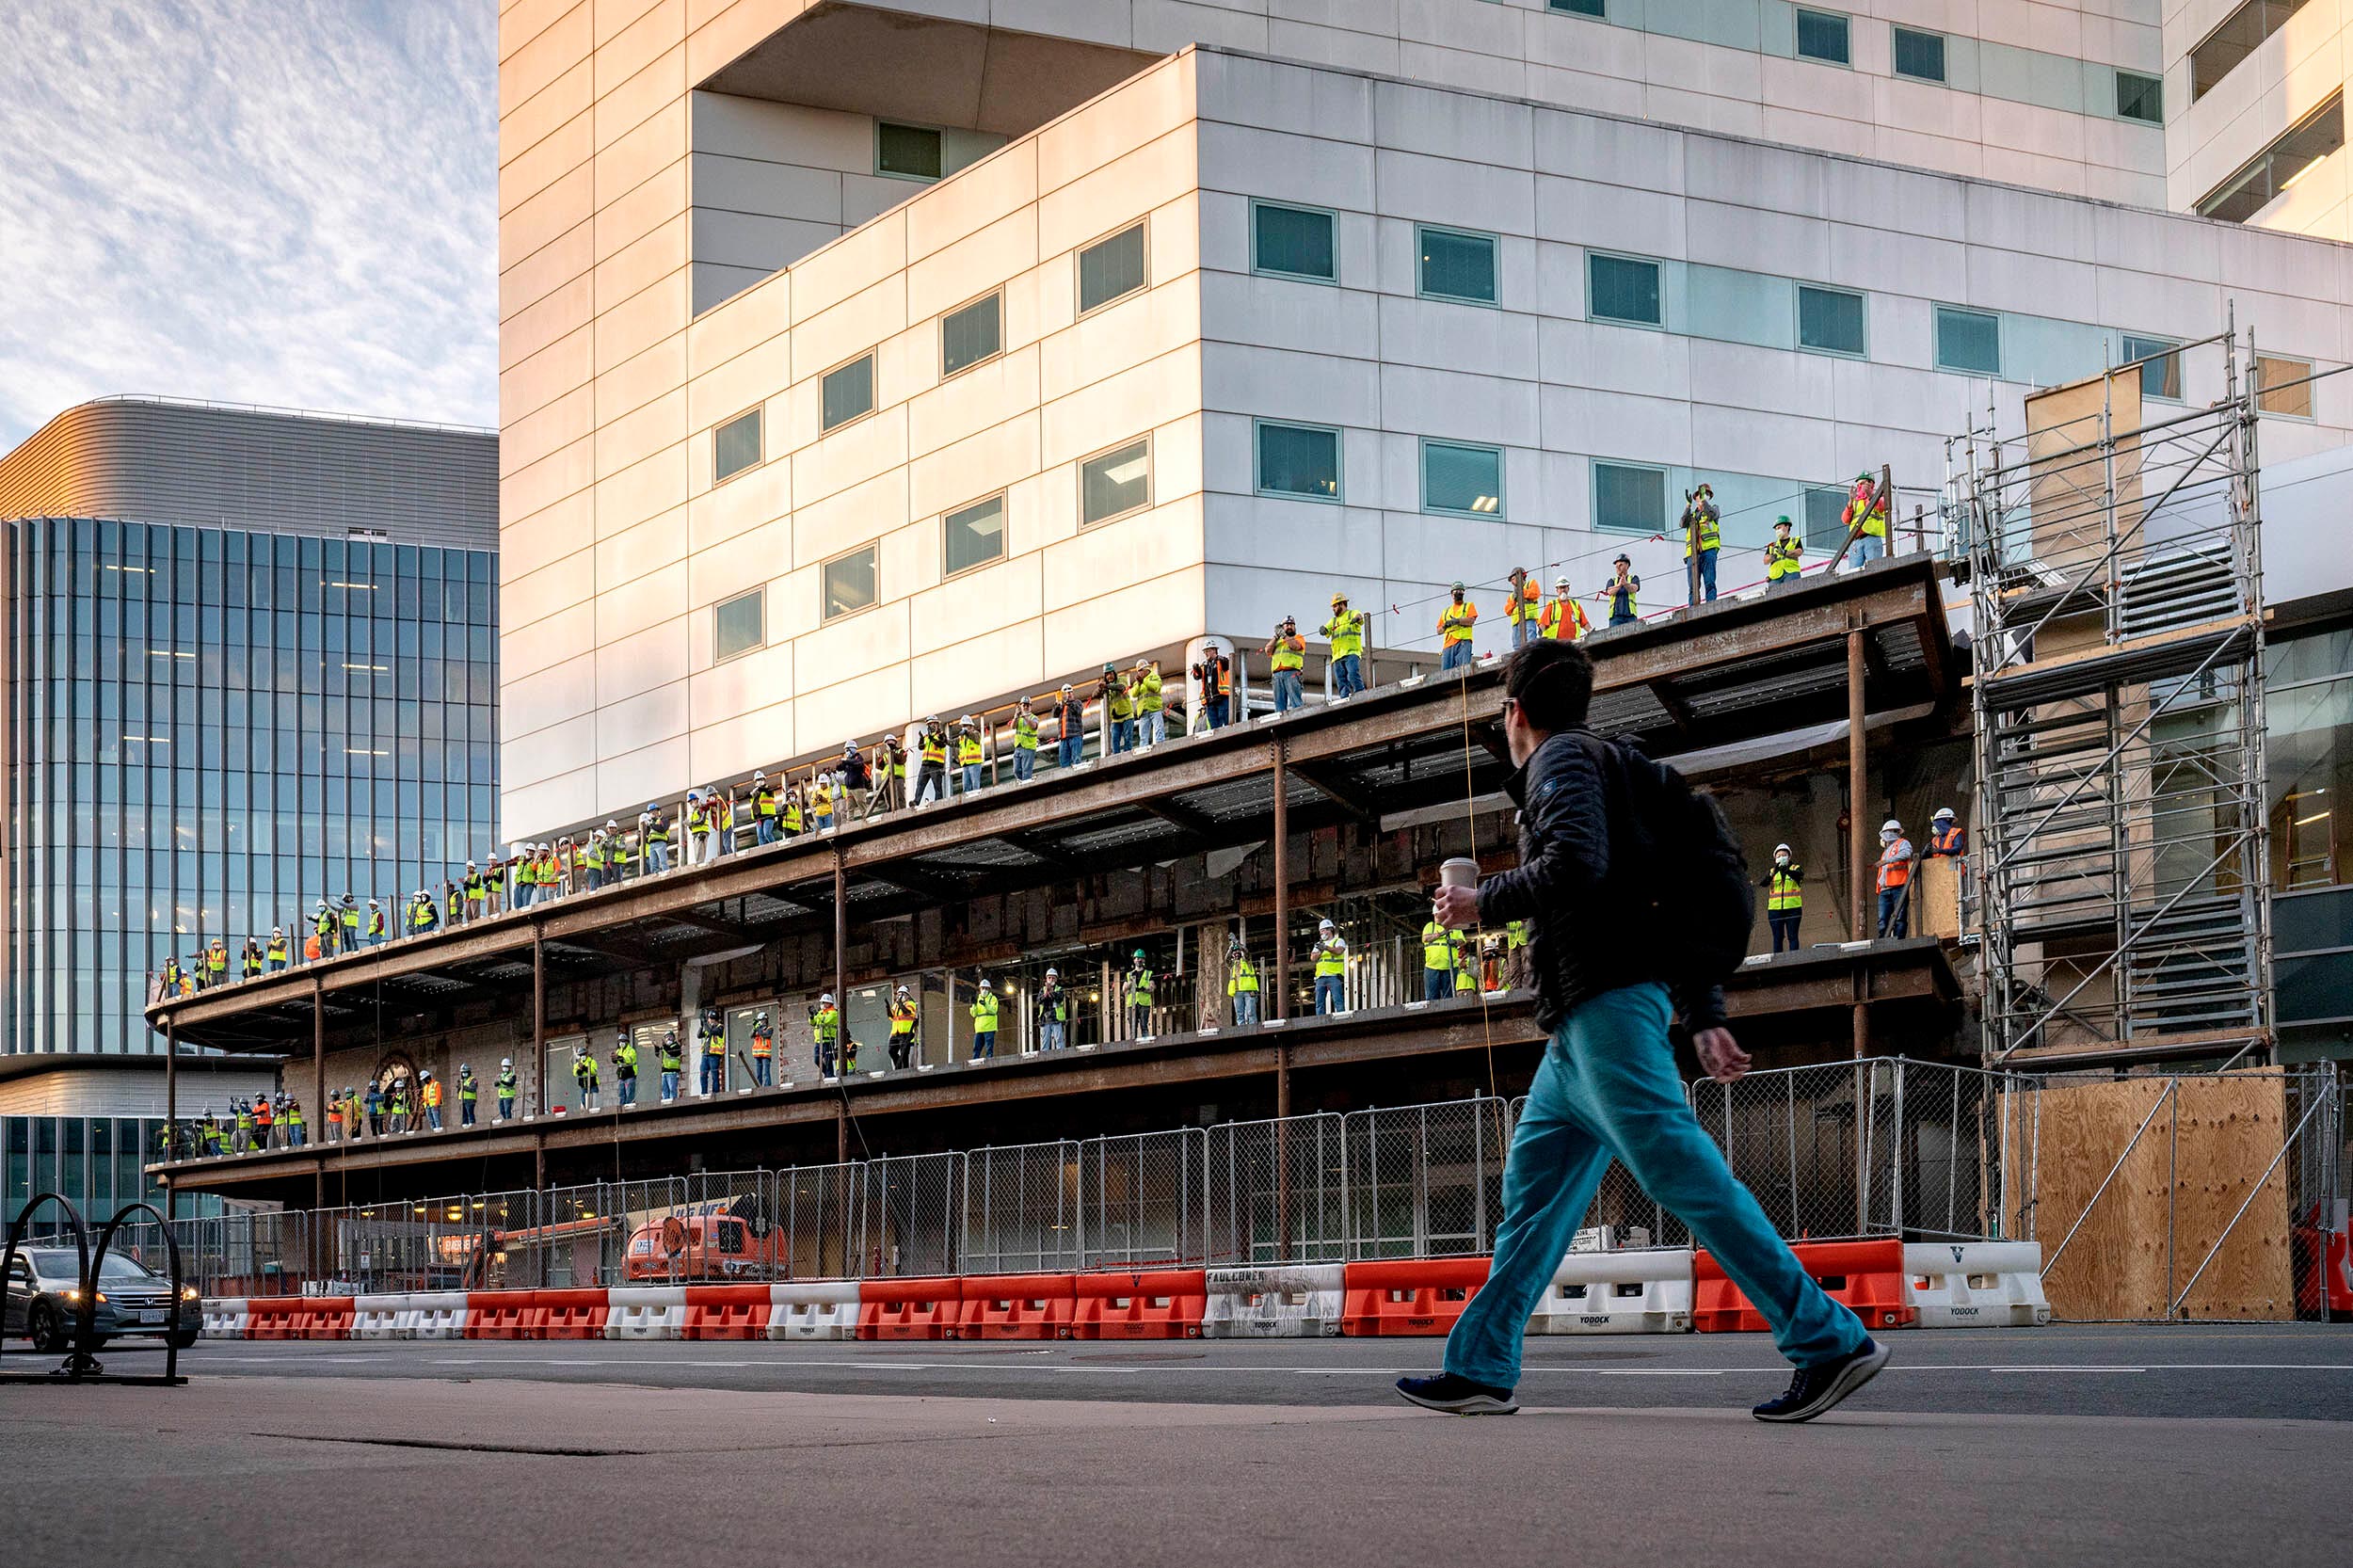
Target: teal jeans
(1608, 1086)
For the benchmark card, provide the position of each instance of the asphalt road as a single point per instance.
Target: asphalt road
(2182, 1444)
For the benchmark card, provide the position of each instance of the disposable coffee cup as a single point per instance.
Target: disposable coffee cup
(1459, 872)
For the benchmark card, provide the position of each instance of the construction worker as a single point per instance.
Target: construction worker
(983, 1023)
(853, 783)
(1024, 742)
(697, 828)
(930, 774)
(1563, 618)
(496, 897)
(766, 803)
(334, 1118)
(469, 1092)
(376, 918)
(470, 886)
(1437, 962)
(1345, 631)
(1456, 619)
(903, 1018)
(653, 836)
(264, 1122)
(276, 954)
(1241, 984)
(890, 773)
(791, 812)
(396, 1105)
(672, 1062)
(710, 1032)
(1151, 702)
(1136, 991)
(721, 808)
(422, 917)
(375, 1110)
(1465, 964)
(1515, 954)
(1215, 676)
(820, 804)
(1865, 507)
(584, 1075)
(968, 753)
(453, 905)
(1053, 1012)
(1947, 837)
(763, 1048)
(503, 1086)
(324, 926)
(1702, 526)
(1523, 601)
(824, 1035)
(1070, 726)
(348, 918)
(1287, 657)
(1623, 591)
(217, 964)
(298, 1127)
(249, 960)
(1784, 898)
(624, 1068)
(429, 1096)
(1120, 700)
(170, 976)
(1331, 954)
(244, 1139)
(212, 1133)
(1782, 554)
(1895, 880)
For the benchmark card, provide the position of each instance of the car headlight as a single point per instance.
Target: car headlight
(187, 1292)
(73, 1295)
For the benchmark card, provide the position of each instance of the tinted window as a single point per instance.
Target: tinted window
(1629, 500)
(1829, 320)
(1458, 266)
(2139, 97)
(971, 335)
(1919, 55)
(1110, 268)
(1299, 459)
(1458, 478)
(908, 150)
(735, 446)
(2160, 371)
(974, 535)
(740, 624)
(1968, 341)
(1623, 289)
(849, 582)
(1115, 482)
(847, 393)
(1822, 36)
(1295, 241)
(1580, 7)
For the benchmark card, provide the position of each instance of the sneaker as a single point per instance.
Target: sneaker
(1457, 1396)
(1815, 1390)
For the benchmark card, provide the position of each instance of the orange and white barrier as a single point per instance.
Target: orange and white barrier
(435, 1315)
(822, 1309)
(645, 1312)
(1618, 1292)
(225, 1318)
(726, 1311)
(1017, 1306)
(1158, 1303)
(567, 1314)
(909, 1308)
(1280, 1301)
(324, 1317)
(1867, 1277)
(500, 1314)
(1976, 1284)
(378, 1317)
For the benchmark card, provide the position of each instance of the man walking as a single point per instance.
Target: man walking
(1606, 1084)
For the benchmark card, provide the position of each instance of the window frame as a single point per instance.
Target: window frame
(873, 402)
(2302, 383)
(996, 294)
(1658, 274)
(1494, 274)
(1430, 509)
(1936, 345)
(1943, 54)
(882, 174)
(1592, 11)
(1142, 226)
(1593, 517)
(1339, 461)
(2151, 349)
(1796, 32)
(2267, 162)
(873, 547)
(1149, 475)
(1256, 206)
(947, 574)
(2155, 84)
(757, 412)
(2262, 12)
(1863, 302)
(758, 592)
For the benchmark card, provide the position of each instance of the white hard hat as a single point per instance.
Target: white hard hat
(931, 718)
(1561, 583)
(1782, 849)
(1050, 974)
(612, 827)
(1325, 926)
(470, 866)
(1891, 825)
(759, 775)
(904, 991)
(506, 1061)
(280, 931)
(1944, 813)
(826, 1000)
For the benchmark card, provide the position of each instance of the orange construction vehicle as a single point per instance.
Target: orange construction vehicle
(715, 1240)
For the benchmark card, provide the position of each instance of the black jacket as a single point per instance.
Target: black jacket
(1560, 887)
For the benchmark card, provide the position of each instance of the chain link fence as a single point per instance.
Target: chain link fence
(2241, 1175)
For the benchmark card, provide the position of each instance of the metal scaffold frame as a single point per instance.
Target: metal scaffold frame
(2116, 576)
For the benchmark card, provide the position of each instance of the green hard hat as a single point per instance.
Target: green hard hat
(1139, 953)
(1782, 521)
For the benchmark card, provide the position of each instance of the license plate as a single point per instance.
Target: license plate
(148, 1315)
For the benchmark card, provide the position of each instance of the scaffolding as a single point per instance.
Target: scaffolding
(2116, 580)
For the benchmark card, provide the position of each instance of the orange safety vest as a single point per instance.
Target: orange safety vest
(1523, 605)
(1896, 864)
(433, 1092)
(1563, 620)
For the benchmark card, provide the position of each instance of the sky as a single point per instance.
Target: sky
(281, 201)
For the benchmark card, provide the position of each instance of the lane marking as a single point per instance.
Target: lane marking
(1114, 1369)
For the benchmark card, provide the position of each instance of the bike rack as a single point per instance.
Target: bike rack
(81, 1364)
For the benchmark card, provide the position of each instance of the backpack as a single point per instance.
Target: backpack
(1685, 885)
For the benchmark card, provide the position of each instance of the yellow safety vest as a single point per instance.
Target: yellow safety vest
(1245, 979)
(1782, 888)
(903, 1018)
(967, 750)
(1781, 558)
(1331, 958)
(1563, 620)
(935, 750)
(1455, 620)
(1291, 653)
(1710, 530)
(1024, 732)
(1347, 633)
(985, 1012)
(1524, 603)
(1438, 947)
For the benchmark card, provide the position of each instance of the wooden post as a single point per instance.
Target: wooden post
(1858, 833)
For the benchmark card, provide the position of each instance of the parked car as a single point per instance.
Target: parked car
(44, 1293)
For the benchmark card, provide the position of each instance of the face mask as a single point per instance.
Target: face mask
(1781, 859)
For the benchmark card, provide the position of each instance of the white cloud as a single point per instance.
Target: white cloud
(279, 201)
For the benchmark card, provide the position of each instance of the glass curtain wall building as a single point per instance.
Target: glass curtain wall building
(247, 662)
